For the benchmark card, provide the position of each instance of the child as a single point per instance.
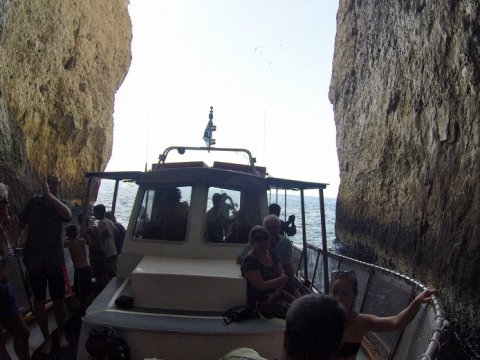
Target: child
(83, 272)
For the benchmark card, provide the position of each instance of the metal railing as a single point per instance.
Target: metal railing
(181, 150)
(383, 292)
(18, 282)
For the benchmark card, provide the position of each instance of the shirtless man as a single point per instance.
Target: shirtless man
(44, 257)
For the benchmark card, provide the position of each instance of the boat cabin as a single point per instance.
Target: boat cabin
(188, 226)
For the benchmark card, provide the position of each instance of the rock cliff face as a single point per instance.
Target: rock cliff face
(61, 63)
(405, 90)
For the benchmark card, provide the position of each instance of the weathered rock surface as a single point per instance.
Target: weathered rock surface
(61, 63)
(405, 90)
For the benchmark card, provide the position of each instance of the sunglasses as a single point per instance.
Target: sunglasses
(349, 274)
(4, 201)
(260, 238)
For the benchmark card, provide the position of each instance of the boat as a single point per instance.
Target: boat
(182, 280)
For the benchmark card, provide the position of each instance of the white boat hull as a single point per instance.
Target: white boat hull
(178, 334)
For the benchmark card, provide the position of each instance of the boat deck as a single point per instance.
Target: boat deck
(73, 334)
(35, 340)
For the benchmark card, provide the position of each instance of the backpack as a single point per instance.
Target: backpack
(104, 343)
(240, 313)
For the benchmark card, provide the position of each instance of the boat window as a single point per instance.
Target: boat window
(164, 214)
(230, 215)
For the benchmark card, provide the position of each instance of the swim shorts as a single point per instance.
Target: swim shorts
(38, 283)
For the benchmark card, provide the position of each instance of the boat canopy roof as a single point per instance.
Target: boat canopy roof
(277, 183)
(221, 173)
(115, 175)
(207, 176)
(201, 174)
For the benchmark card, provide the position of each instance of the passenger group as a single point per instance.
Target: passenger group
(266, 263)
(43, 256)
(317, 326)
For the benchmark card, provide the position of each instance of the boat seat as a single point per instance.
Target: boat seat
(188, 284)
(138, 320)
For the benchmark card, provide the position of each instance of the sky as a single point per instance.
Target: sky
(263, 65)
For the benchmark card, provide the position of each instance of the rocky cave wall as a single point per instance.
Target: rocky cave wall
(61, 63)
(405, 90)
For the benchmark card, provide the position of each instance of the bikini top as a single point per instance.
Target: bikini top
(348, 349)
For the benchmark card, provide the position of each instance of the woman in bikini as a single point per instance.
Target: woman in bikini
(10, 317)
(345, 289)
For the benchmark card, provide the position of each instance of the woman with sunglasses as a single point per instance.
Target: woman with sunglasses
(265, 276)
(10, 317)
(345, 289)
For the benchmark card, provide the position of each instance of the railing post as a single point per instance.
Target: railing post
(85, 212)
(371, 273)
(324, 243)
(115, 194)
(304, 236)
(24, 279)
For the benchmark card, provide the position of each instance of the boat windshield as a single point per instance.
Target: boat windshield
(228, 214)
(164, 214)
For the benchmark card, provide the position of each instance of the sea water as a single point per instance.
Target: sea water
(127, 192)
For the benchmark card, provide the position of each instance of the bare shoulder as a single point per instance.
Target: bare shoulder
(355, 328)
(366, 322)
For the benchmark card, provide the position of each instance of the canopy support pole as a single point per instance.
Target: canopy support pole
(324, 243)
(115, 194)
(304, 236)
(85, 212)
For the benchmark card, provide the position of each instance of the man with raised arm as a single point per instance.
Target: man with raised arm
(44, 259)
(287, 228)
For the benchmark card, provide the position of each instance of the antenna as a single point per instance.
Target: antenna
(264, 133)
(147, 142)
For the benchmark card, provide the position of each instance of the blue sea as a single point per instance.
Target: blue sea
(127, 193)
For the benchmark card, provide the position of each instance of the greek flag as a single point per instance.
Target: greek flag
(207, 134)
